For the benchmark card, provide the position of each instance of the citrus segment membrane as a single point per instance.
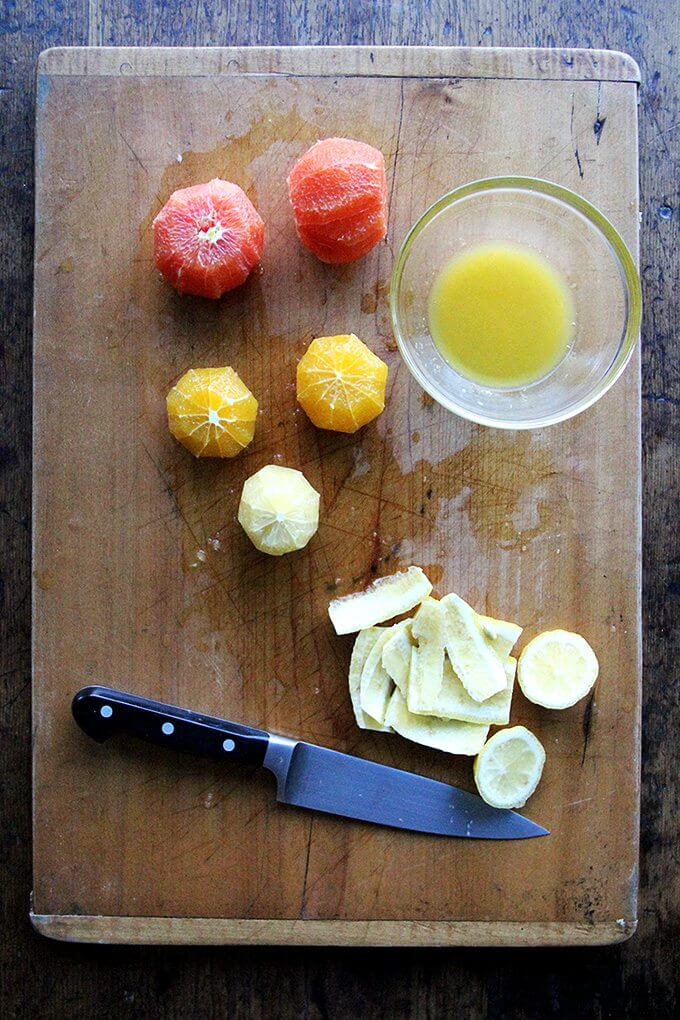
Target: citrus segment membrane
(336, 194)
(341, 383)
(336, 178)
(350, 231)
(338, 191)
(208, 238)
(337, 254)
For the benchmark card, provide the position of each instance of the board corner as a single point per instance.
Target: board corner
(618, 930)
(630, 69)
(44, 925)
(53, 59)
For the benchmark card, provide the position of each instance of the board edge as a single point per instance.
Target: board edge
(575, 64)
(259, 931)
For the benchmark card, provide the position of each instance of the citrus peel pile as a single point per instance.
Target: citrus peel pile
(445, 675)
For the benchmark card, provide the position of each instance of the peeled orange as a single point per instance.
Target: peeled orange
(212, 412)
(208, 238)
(341, 383)
(338, 190)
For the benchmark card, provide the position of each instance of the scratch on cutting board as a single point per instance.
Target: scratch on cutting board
(573, 140)
(598, 125)
(587, 724)
(303, 897)
(584, 800)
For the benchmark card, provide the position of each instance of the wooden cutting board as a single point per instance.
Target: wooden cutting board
(144, 580)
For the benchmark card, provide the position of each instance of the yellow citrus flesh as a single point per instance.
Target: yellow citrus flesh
(279, 510)
(557, 669)
(508, 768)
(212, 412)
(341, 383)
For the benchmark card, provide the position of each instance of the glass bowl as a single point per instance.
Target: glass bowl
(577, 241)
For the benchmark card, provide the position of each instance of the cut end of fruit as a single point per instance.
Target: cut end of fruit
(384, 599)
(341, 383)
(279, 510)
(208, 238)
(557, 669)
(212, 412)
(508, 768)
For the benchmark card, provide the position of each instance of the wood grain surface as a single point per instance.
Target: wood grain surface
(49, 978)
(144, 579)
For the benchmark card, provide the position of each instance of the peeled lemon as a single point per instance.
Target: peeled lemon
(557, 669)
(279, 510)
(508, 768)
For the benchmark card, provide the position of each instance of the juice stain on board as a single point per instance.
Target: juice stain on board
(381, 511)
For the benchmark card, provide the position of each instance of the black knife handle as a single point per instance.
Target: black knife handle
(103, 712)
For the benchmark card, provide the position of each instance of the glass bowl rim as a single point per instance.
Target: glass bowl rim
(599, 221)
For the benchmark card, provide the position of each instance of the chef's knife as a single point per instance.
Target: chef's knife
(306, 775)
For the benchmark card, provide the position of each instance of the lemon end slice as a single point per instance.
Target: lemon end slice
(508, 768)
(557, 669)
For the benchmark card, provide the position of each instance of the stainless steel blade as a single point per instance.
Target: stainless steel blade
(340, 784)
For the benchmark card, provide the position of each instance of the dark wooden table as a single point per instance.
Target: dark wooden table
(43, 979)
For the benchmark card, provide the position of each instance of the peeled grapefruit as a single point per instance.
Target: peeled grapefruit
(338, 191)
(208, 239)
